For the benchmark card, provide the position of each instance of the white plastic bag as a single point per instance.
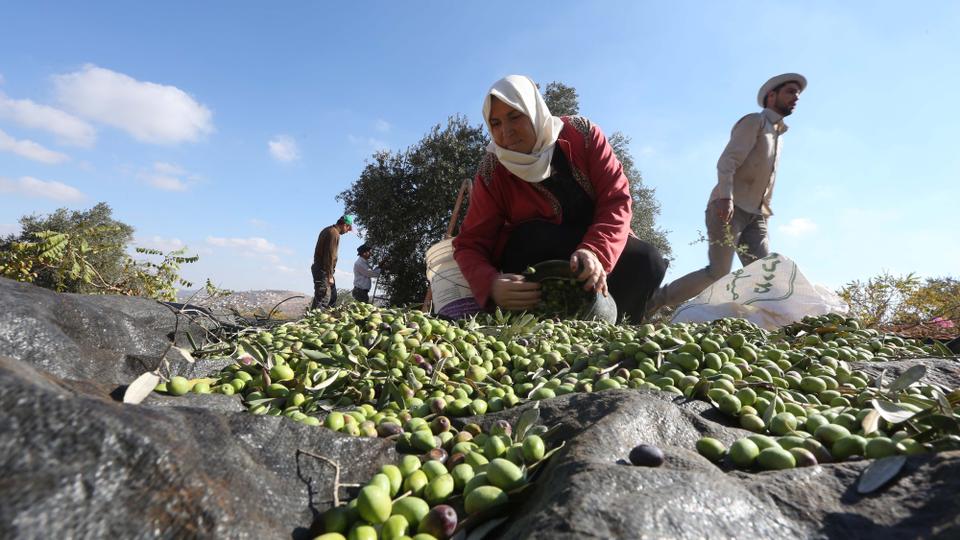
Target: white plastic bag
(770, 292)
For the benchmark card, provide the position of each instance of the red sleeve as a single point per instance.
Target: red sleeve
(473, 248)
(607, 236)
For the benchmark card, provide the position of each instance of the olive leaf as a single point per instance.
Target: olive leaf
(397, 396)
(942, 401)
(908, 377)
(481, 532)
(880, 378)
(870, 422)
(771, 410)
(437, 369)
(411, 379)
(942, 349)
(527, 419)
(950, 442)
(263, 401)
(551, 432)
(185, 354)
(327, 382)
(537, 430)
(546, 456)
(193, 342)
(384, 393)
(256, 354)
(265, 355)
(943, 423)
(879, 473)
(535, 388)
(891, 412)
(141, 387)
(921, 402)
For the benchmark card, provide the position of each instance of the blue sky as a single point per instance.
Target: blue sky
(229, 127)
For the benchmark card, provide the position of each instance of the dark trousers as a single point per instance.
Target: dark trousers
(321, 288)
(636, 275)
(361, 295)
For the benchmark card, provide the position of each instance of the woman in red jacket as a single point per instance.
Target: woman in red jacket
(550, 188)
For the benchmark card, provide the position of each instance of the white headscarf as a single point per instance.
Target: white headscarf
(521, 93)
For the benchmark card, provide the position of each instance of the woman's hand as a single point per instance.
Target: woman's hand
(592, 271)
(511, 292)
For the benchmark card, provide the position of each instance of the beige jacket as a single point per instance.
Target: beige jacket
(747, 169)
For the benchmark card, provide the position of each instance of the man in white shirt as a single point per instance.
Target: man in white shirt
(362, 273)
(739, 204)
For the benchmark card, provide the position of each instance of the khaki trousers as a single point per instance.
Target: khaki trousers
(747, 236)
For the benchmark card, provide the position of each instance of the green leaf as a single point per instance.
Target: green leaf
(879, 473)
(481, 531)
(534, 389)
(942, 349)
(943, 423)
(264, 353)
(536, 466)
(910, 376)
(942, 401)
(527, 419)
(891, 412)
(771, 410)
(880, 378)
(950, 442)
(921, 402)
(327, 382)
(262, 401)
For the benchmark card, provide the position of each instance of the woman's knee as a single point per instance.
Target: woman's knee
(640, 257)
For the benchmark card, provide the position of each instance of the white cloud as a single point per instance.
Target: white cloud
(284, 148)
(163, 244)
(30, 150)
(258, 223)
(31, 187)
(370, 142)
(67, 128)
(344, 279)
(382, 126)
(167, 177)
(798, 227)
(167, 183)
(150, 112)
(254, 244)
(163, 167)
(284, 269)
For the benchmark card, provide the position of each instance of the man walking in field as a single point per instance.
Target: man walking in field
(739, 205)
(325, 262)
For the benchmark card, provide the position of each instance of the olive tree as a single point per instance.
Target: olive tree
(85, 252)
(105, 238)
(562, 100)
(404, 200)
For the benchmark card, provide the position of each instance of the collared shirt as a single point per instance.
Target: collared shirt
(362, 272)
(747, 169)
